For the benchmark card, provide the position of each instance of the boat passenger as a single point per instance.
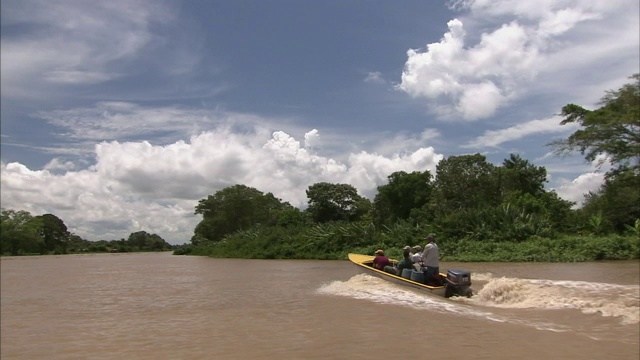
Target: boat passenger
(416, 254)
(406, 262)
(416, 257)
(380, 261)
(431, 258)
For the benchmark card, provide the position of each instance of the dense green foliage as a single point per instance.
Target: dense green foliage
(24, 234)
(335, 240)
(404, 194)
(335, 202)
(237, 208)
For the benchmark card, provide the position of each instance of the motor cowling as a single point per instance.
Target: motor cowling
(458, 283)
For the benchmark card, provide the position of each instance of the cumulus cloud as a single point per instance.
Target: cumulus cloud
(464, 77)
(575, 190)
(57, 164)
(137, 186)
(311, 139)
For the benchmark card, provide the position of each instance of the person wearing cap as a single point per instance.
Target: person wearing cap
(380, 261)
(416, 255)
(431, 258)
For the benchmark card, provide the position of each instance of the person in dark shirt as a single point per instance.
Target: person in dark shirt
(406, 262)
(380, 261)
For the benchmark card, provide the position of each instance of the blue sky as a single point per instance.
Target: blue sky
(119, 116)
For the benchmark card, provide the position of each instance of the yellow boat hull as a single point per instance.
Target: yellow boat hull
(364, 264)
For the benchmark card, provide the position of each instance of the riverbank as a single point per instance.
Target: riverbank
(561, 249)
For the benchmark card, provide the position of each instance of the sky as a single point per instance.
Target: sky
(119, 116)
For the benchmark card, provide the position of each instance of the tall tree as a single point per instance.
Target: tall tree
(519, 175)
(20, 233)
(463, 182)
(617, 202)
(54, 233)
(235, 208)
(403, 193)
(613, 129)
(331, 202)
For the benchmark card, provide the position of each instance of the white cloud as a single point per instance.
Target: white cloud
(589, 181)
(520, 42)
(57, 164)
(311, 139)
(576, 189)
(367, 171)
(137, 186)
(479, 100)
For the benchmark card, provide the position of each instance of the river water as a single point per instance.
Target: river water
(161, 306)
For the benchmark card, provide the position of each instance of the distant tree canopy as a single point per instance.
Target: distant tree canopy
(144, 240)
(334, 202)
(518, 175)
(236, 208)
(21, 234)
(402, 194)
(54, 232)
(465, 182)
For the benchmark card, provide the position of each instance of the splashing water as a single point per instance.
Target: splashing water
(608, 300)
(366, 287)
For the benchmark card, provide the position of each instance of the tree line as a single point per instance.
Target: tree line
(22, 234)
(478, 208)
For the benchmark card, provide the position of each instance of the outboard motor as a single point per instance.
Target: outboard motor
(458, 283)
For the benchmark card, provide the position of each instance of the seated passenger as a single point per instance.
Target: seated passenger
(380, 261)
(406, 262)
(416, 257)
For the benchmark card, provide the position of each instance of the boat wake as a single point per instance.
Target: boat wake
(367, 287)
(607, 300)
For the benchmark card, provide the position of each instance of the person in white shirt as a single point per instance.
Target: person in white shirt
(431, 258)
(416, 256)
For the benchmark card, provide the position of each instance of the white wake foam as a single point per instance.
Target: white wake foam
(591, 298)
